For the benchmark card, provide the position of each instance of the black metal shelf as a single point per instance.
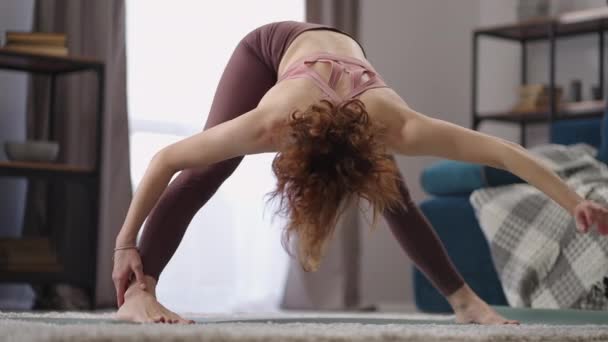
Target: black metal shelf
(45, 170)
(36, 63)
(55, 67)
(540, 116)
(550, 29)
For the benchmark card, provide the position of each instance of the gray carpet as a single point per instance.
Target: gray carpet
(537, 325)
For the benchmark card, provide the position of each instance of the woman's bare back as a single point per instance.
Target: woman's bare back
(382, 104)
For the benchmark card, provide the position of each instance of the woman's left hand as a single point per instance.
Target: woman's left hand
(588, 213)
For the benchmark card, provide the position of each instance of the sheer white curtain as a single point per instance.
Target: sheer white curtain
(231, 257)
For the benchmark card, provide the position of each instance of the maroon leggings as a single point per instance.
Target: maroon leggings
(250, 73)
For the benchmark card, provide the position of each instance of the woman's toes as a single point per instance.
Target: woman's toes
(171, 318)
(123, 317)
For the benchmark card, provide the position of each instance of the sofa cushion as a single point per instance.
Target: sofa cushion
(454, 220)
(588, 131)
(449, 177)
(602, 153)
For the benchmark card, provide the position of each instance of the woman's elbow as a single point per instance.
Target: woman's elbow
(164, 161)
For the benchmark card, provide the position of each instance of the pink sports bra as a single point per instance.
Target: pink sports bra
(362, 75)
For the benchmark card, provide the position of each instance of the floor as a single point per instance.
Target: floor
(546, 325)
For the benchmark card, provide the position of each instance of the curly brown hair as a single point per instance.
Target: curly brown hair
(329, 154)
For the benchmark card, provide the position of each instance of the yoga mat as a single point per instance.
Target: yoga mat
(335, 318)
(328, 320)
(524, 315)
(554, 316)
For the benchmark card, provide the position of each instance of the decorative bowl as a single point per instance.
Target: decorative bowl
(32, 151)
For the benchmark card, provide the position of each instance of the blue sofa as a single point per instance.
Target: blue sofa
(450, 183)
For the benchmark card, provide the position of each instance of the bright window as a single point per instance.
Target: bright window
(231, 257)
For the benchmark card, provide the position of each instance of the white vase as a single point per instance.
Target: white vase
(558, 7)
(527, 9)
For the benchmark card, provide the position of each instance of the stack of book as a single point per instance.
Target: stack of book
(534, 98)
(28, 255)
(53, 44)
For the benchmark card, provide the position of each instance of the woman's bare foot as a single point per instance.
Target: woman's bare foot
(469, 308)
(142, 307)
(481, 313)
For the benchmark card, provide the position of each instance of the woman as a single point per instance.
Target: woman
(307, 92)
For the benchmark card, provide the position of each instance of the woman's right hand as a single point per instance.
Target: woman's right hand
(127, 263)
(588, 213)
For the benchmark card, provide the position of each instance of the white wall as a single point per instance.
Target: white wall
(14, 15)
(499, 65)
(422, 49)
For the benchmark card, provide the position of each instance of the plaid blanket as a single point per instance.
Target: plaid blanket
(541, 259)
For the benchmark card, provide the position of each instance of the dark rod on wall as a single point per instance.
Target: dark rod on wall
(601, 63)
(475, 48)
(524, 62)
(313, 11)
(552, 97)
(342, 14)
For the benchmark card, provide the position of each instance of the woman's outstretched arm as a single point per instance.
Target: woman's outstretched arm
(423, 135)
(246, 134)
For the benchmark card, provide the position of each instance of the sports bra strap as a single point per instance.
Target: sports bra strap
(339, 66)
(336, 74)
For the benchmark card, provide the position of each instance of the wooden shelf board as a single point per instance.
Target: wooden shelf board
(538, 116)
(13, 167)
(45, 64)
(538, 28)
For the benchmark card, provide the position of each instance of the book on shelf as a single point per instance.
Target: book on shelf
(533, 97)
(52, 44)
(36, 38)
(37, 49)
(28, 253)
